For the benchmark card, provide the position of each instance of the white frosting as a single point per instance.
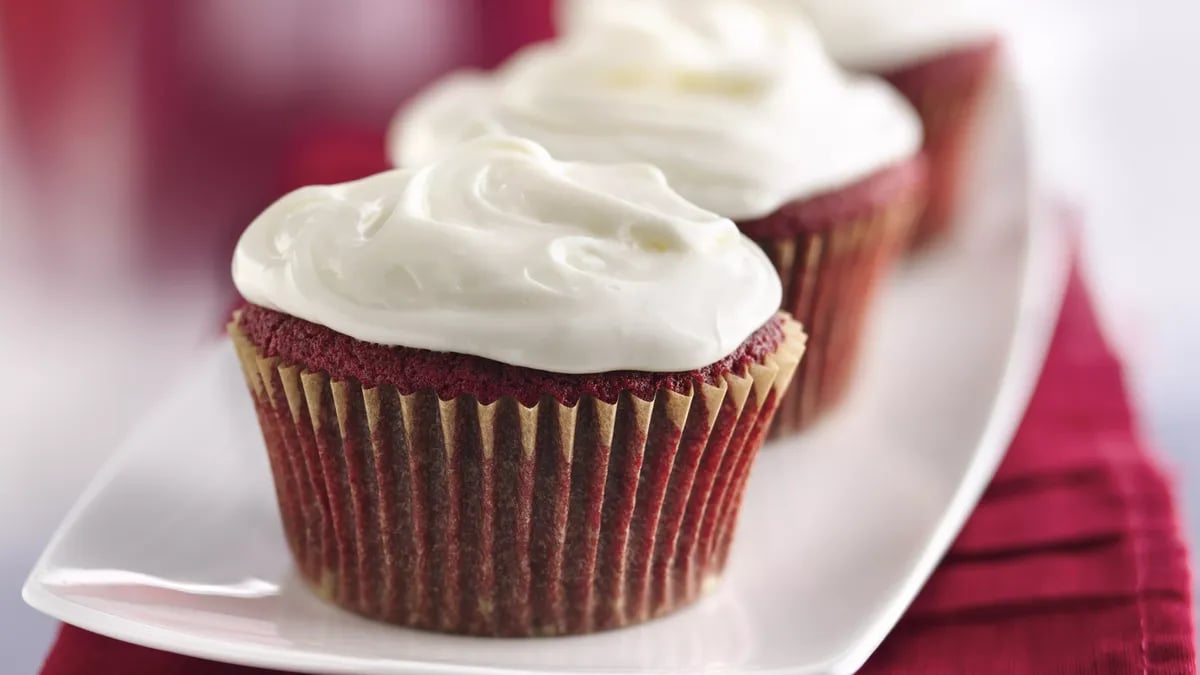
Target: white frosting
(883, 34)
(499, 251)
(738, 105)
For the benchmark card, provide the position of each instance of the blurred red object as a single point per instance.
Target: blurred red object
(190, 112)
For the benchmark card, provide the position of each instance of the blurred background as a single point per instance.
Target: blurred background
(138, 138)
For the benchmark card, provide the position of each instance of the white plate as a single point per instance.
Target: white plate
(177, 543)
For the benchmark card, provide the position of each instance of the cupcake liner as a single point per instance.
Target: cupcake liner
(506, 520)
(831, 269)
(947, 93)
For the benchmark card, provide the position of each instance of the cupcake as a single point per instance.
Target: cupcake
(747, 117)
(508, 396)
(941, 54)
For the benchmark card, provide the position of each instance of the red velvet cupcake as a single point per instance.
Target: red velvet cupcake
(832, 252)
(507, 396)
(942, 55)
(747, 117)
(947, 91)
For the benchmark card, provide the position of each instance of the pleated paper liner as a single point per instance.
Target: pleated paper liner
(947, 93)
(831, 274)
(503, 520)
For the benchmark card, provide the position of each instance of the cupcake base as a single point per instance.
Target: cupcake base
(831, 253)
(947, 93)
(506, 519)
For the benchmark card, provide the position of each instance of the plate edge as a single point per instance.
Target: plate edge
(1046, 262)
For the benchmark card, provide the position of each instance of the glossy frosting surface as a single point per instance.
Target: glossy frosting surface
(499, 251)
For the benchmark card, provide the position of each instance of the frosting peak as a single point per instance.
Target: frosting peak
(497, 250)
(738, 105)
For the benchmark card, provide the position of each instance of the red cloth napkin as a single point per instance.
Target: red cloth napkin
(1072, 563)
(1074, 560)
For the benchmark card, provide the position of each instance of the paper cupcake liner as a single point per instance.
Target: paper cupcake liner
(947, 93)
(831, 274)
(503, 520)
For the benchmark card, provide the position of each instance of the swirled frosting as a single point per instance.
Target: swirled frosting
(739, 106)
(884, 34)
(497, 250)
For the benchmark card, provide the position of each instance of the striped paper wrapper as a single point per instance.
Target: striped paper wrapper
(947, 93)
(506, 520)
(831, 273)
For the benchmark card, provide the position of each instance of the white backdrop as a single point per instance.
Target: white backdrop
(1113, 85)
(1115, 91)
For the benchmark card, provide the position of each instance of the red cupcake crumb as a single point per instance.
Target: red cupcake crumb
(840, 207)
(295, 340)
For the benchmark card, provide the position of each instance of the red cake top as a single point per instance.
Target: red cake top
(318, 348)
(847, 205)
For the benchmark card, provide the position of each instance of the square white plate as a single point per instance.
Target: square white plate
(177, 543)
